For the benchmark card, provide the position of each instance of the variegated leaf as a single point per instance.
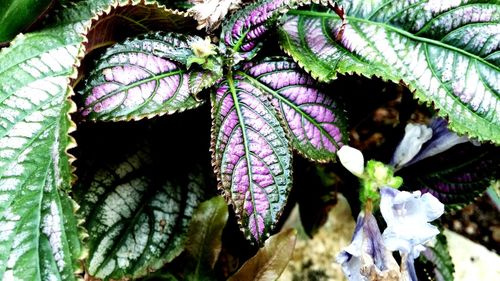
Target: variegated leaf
(251, 155)
(313, 120)
(136, 221)
(39, 234)
(144, 77)
(447, 51)
(39, 239)
(243, 32)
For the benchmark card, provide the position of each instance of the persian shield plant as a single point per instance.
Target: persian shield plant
(128, 214)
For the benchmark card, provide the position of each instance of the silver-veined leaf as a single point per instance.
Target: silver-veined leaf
(144, 77)
(244, 31)
(39, 238)
(251, 155)
(312, 119)
(447, 51)
(136, 220)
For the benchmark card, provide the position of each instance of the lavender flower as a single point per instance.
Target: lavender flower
(407, 216)
(420, 142)
(366, 258)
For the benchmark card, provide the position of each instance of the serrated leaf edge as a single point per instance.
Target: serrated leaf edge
(216, 165)
(419, 96)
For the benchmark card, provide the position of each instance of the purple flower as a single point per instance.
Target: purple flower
(366, 257)
(407, 216)
(420, 142)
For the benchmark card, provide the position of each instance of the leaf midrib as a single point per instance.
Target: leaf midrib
(246, 143)
(124, 88)
(399, 31)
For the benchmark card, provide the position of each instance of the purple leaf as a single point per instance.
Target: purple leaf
(313, 120)
(456, 176)
(144, 77)
(250, 155)
(244, 30)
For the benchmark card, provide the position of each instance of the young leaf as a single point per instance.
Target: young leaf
(435, 263)
(446, 52)
(136, 222)
(144, 77)
(243, 32)
(456, 177)
(204, 239)
(270, 261)
(250, 155)
(16, 15)
(313, 121)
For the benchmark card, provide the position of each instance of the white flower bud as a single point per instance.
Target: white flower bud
(352, 159)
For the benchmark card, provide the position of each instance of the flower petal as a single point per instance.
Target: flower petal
(415, 136)
(407, 216)
(433, 208)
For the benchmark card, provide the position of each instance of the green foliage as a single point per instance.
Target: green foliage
(424, 45)
(17, 15)
(204, 240)
(140, 215)
(36, 214)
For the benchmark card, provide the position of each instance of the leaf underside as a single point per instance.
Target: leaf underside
(313, 121)
(143, 77)
(447, 52)
(251, 156)
(271, 260)
(136, 222)
(457, 176)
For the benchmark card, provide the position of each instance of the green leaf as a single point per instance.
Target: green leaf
(40, 234)
(39, 238)
(447, 53)
(251, 156)
(144, 77)
(270, 261)
(204, 240)
(17, 15)
(136, 218)
(435, 262)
